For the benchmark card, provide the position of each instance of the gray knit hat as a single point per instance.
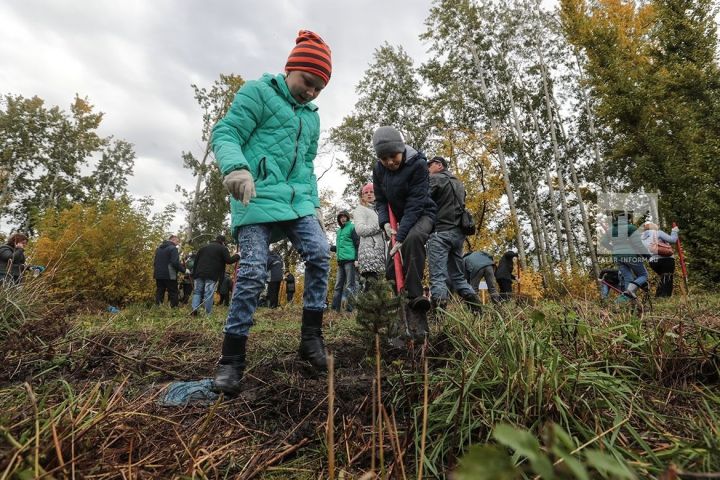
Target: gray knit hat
(387, 141)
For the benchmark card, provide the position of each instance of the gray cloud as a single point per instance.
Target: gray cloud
(135, 60)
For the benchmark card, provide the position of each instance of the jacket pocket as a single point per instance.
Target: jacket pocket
(261, 170)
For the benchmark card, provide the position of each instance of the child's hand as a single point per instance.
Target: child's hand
(240, 184)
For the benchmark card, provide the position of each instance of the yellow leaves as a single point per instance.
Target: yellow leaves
(102, 253)
(469, 154)
(531, 284)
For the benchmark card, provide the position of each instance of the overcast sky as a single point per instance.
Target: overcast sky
(135, 61)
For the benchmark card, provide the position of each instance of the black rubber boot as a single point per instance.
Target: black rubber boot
(231, 366)
(417, 324)
(474, 303)
(312, 345)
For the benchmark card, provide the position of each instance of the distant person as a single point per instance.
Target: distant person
(662, 262)
(265, 147)
(289, 286)
(401, 181)
(208, 270)
(12, 258)
(504, 275)
(480, 266)
(225, 289)
(166, 267)
(610, 280)
(445, 245)
(346, 245)
(625, 242)
(372, 247)
(275, 277)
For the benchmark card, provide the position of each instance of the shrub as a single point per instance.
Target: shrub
(99, 253)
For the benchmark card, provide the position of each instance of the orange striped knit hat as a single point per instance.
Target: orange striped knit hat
(311, 54)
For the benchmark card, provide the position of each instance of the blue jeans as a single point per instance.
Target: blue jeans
(632, 269)
(204, 288)
(446, 264)
(344, 286)
(309, 240)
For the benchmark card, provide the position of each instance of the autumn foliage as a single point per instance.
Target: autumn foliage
(99, 253)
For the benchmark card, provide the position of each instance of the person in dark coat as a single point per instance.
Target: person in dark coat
(275, 276)
(445, 246)
(401, 181)
(208, 270)
(289, 286)
(504, 275)
(186, 283)
(610, 278)
(12, 258)
(165, 270)
(224, 289)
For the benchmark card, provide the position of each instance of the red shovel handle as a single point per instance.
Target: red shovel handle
(399, 277)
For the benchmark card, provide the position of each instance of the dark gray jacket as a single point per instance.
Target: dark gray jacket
(167, 261)
(12, 259)
(449, 203)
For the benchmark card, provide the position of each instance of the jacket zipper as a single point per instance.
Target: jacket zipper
(297, 147)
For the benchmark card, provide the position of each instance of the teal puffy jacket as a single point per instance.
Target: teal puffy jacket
(270, 134)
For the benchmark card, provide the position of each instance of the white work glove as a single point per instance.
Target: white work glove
(240, 184)
(320, 217)
(389, 230)
(395, 248)
(675, 230)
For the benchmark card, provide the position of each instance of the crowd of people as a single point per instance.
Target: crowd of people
(630, 248)
(265, 147)
(410, 217)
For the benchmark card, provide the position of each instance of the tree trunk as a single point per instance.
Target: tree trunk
(503, 165)
(581, 203)
(551, 194)
(196, 197)
(524, 162)
(591, 122)
(558, 166)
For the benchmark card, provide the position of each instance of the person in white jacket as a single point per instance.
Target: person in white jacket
(661, 260)
(371, 252)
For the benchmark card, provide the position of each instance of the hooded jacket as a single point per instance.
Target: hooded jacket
(346, 240)
(167, 261)
(449, 202)
(267, 132)
(210, 261)
(406, 190)
(505, 267)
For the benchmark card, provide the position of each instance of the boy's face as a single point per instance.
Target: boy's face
(392, 162)
(304, 87)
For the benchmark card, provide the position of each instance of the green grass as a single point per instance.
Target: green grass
(644, 391)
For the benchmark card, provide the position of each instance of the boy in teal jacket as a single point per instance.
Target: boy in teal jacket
(265, 148)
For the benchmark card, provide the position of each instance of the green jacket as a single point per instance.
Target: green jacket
(346, 243)
(270, 134)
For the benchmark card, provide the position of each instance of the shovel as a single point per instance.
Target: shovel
(683, 267)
